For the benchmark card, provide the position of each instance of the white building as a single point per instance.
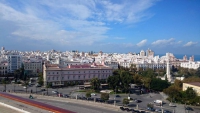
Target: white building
(14, 63)
(32, 67)
(3, 68)
(60, 74)
(190, 65)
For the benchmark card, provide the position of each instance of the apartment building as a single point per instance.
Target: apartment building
(60, 74)
(190, 65)
(32, 67)
(14, 62)
(3, 69)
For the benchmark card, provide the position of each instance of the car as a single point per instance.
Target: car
(38, 85)
(137, 101)
(158, 110)
(43, 89)
(25, 87)
(93, 94)
(55, 92)
(117, 96)
(166, 111)
(188, 108)
(172, 105)
(150, 109)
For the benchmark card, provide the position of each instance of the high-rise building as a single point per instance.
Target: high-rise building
(142, 53)
(14, 63)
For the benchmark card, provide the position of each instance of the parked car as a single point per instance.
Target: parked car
(38, 85)
(55, 92)
(188, 108)
(150, 109)
(137, 101)
(158, 110)
(166, 111)
(172, 105)
(43, 89)
(25, 87)
(117, 96)
(93, 94)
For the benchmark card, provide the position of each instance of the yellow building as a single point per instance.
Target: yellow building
(194, 85)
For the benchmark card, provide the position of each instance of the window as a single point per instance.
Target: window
(48, 78)
(57, 78)
(68, 77)
(62, 78)
(89, 76)
(53, 78)
(57, 72)
(79, 77)
(53, 72)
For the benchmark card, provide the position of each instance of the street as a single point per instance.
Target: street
(72, 91)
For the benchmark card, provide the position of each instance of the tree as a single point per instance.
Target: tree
(197, 73)
(113, 81)
(190, 93)
(104, 96)
(173, 93)
(88, 94)
(137, 79)
(158, 84)
(126, 80)
(95, 83)
(125, 101)
(40, 79)
(146, 82)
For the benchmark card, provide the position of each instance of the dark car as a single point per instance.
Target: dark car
(43, 89)
(137, 101)
(189, 109)
(117, 96)
(150, 109)
(122, 108)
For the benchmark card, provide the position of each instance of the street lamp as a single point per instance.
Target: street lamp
(115, 95)
(36, 89)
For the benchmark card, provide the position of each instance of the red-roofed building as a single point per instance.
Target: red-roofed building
(60, 74)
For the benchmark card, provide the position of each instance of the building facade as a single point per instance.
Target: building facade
(3, 69)
(190, 65)
(32, 68)
(59, 74)
(14, 63)
(194, 85)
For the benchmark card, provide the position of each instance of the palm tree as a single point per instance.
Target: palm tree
(95, 83)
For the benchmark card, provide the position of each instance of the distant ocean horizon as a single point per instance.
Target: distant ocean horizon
(180, 56)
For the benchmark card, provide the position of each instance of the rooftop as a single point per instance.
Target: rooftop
(194, 83)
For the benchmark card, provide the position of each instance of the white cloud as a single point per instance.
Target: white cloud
(70, 22)
(142, 43)
(190, 44)
(163, 42)
(179, 42)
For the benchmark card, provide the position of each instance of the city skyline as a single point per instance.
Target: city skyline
(110, 26)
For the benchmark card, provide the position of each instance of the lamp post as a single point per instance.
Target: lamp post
(36, 89)
(115, 95)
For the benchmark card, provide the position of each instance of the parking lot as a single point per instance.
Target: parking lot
(72, 92)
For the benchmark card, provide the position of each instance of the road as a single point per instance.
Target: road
(145, 98)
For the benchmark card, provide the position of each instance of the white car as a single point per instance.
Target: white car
(24, 87)
(55, 92)
(93, 94)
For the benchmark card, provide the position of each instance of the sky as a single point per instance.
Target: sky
(117, 26)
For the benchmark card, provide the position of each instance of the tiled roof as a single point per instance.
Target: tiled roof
(194, 83)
